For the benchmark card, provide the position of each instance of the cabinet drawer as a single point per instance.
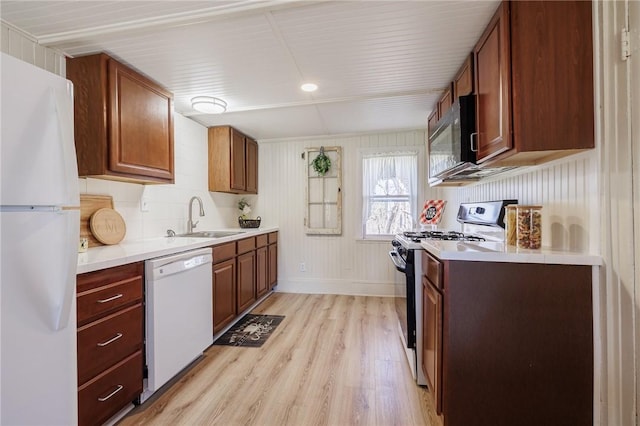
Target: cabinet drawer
(99, 301)
(108, 393)
(103, 343)
(273, 237)
(246, 245)
(432, 269)
(224, 252)
(262, 240)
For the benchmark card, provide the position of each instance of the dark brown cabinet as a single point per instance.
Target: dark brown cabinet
(463, 81)
(123, 122)
(246, 263)
(534, 83)
(233, 161)
(272, 253)
(445, 102)
(224, 285)
(432, 121)
(241, 275)
(510, 350)
(224, 294)
(432, 304)
(110, 341)
(262, 265)
(252, 166)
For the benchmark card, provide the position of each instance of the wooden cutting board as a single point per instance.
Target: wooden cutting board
(107, 226)
(89, 204)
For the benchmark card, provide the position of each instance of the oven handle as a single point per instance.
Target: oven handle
(400, 264)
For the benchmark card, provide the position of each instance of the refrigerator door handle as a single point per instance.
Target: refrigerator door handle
(64, 112)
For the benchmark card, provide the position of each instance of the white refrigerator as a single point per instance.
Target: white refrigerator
(39, 231)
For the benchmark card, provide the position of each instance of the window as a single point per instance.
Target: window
(389, 193)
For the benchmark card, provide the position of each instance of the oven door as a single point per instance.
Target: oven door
(404, 294)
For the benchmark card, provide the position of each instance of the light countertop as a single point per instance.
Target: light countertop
(499, 252)
(102, 257)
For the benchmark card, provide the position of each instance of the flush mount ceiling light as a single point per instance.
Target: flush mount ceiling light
(208, 105)
(309, 87)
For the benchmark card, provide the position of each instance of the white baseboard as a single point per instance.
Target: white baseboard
(324, 286)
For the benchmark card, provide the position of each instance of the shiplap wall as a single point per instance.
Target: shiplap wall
(16, 43)
(334, 264)
(567, 190)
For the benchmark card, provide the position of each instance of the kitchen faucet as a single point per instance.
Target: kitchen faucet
(190, 223)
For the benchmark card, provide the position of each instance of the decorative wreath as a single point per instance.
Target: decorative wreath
(321, 164)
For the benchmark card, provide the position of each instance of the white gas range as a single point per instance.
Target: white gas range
(482, 224)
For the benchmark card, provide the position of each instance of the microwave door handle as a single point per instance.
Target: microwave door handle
(471, 137)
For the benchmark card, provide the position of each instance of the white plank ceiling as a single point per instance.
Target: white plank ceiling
(379, 65)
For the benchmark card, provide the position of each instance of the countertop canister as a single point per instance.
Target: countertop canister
(511, 229)
(529, 227)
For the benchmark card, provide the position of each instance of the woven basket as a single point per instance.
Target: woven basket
(249, 223)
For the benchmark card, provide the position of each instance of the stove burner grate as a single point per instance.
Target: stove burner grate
(417, 236)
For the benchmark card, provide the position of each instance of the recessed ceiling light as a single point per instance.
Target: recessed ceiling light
(309, 87)
(208, 105)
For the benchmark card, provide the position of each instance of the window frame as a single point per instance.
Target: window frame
(363, 153)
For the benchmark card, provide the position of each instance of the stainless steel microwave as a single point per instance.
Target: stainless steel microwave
(450, 145)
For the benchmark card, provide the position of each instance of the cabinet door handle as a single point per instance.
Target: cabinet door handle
(471, 137)
(117, 296)
(118, 389)
(118, 335)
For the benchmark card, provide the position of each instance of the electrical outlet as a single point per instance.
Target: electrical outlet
(144, 205)
(303, 267)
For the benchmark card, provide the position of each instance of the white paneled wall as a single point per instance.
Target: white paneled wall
(566, 189)
(169, 204)
(334, 264)
(16, 43)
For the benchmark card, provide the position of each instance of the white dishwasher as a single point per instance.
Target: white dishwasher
(178, 314)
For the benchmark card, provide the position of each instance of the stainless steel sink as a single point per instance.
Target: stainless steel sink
(210, 234)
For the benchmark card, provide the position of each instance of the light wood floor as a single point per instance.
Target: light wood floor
(334, 360)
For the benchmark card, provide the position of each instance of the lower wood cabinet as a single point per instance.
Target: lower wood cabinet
(246, 281)
(105, 395)
(262, 265)
(273, 259)
(432, 340)
(513, 342)
(110, 341)
(224, 293)
(243, 271)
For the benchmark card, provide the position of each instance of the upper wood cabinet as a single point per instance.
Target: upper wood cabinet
(463, 81)
(252, 165)
(534, 83)
(445, 102)
(233, 161)
(123, 122)
(432, 121)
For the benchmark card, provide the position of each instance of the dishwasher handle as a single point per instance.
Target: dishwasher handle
(180, 265)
